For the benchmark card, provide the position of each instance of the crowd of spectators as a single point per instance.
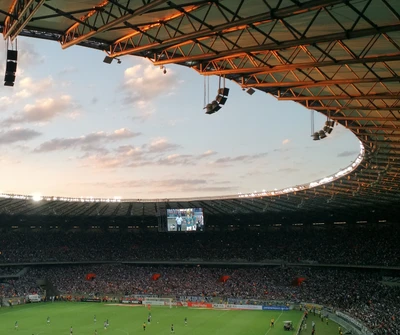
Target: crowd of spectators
(9, 271)
(358, 247)
(359, 293)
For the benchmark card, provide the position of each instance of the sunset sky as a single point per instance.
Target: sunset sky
(75, 126)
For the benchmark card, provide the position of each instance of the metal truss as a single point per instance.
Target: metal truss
(202, 52)
(105, 16)
(318, 83)
(293, 97)
(250, 64)
(199, 28)
(20, 13)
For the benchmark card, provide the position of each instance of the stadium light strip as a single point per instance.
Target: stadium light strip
(313, 184)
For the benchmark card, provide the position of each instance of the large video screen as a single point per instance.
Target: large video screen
(188, 219)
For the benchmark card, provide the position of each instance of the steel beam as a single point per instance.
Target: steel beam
(370, 128)
(21, 11)
(326, 38)
(318, 83)
(350, 108)
(364, 118)
(394, 96)
(77, 32)
(299, 66)
(121, 47)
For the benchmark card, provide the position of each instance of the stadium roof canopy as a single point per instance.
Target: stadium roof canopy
(338, 57)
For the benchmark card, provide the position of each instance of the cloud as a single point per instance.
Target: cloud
(87, 143)
(28, 56)
(176, 159)
(281, 150)
(28, 87)
(169, 185)
(242, 158)
(348, 154)
(254, 172)
(43, 111)
(103, 162)
(143, 84)
(8, 160)
(129, 151)
(4, 102)
(139, 156)
(160, 145)
(285, 141)
(18, 135)
(208, 153)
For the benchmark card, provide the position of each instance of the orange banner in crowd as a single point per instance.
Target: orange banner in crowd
(90, 276)
(298, 281)
(224, 279)
(155, 276)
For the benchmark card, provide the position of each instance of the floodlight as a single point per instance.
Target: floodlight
(37, 197)
(251, 91)
(108, 60)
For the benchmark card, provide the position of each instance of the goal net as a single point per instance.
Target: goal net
(149, 302)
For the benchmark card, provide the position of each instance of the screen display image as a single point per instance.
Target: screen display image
(188, 219)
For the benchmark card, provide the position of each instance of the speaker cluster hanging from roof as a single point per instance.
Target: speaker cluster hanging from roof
(220, 99)
(11, 64)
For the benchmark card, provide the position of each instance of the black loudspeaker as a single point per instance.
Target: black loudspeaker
(12, 55)
(11, 67)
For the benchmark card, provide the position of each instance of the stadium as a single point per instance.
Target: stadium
(320, 257)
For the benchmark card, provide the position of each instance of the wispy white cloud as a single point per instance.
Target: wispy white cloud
(208, 153)
(285, 141)
(172, 185)
(143, 84)
(241, 158)
(5, 101)
(160, 145)
(18, 135)
(88, 142)
(43, 111)
(27, 87)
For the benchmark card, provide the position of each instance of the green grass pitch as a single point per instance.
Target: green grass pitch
(128, 320)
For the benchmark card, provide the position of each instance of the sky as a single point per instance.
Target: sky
(75, 126)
